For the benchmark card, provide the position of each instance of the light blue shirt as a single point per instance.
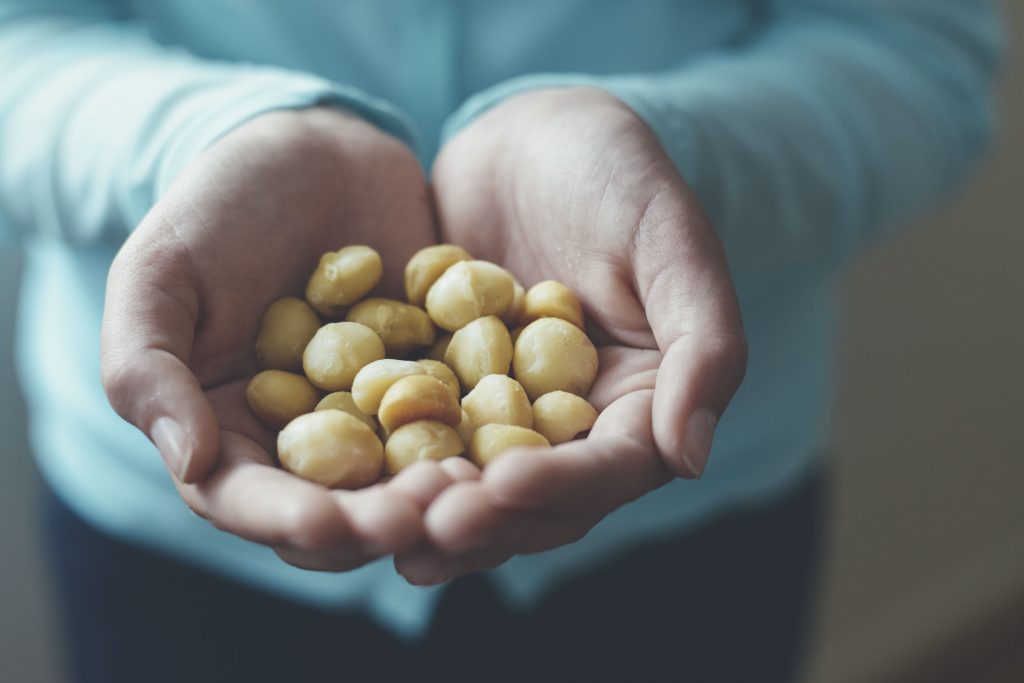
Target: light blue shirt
(808, 128)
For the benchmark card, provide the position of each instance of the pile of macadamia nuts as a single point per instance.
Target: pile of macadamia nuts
(387, 383)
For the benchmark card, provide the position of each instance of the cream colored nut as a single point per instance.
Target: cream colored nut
(437, 351)
(469, 290)
(483, 347)
(552, 299)
(491, 440)
(420, 440)
(377, 377)
(417, 397)
(287, 327)
(498, 399)
(560, 416)
(331, 448)
(342, 400)
(278, 397)
(439, 370)
(337, 352)
(402, 327)
(342, 278)
(554, 355)
(466, 428)
(514, 314)
(427, 265)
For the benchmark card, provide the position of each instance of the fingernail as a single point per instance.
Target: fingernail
(700, 430)
(175, 447)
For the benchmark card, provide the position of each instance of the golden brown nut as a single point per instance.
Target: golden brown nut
(437, 351)
(439, 370)
(554, 355)
(418, 397)
(469, 290)
(278, 397)
(489, 441)
(466, 428)
(337, 352)
(513, 316)
(498, 399)
(377, 377)
(560, 416)
(402, 327)
(287, 327)
(551, 299)
(420, 440)
(342, 400)
(483, 347)
(331, 448)
(427, 265)
(342, 278)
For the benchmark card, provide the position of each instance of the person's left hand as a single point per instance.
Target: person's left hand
(571, 185)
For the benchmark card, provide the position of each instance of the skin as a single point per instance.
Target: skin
(571, 185)
(242, 226)
(562, 184)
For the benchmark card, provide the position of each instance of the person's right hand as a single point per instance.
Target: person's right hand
(242, 226)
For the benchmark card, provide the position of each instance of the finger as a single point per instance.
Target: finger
(428, 566)
(423, 481)
(248, 497)
(149, 321)
(615, 464)
(684, 283)
(467, 518)
(382, 519)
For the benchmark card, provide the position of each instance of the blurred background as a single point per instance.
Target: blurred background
(924, 574)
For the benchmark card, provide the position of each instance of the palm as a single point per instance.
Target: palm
(241, 228)
(538, 216)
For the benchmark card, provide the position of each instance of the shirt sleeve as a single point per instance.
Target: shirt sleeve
(830, 123)
(97, 119)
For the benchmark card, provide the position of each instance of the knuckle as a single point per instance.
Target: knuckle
(311, 525)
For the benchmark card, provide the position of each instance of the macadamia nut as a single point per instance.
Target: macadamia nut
(287, 327)
(342, 400)
(402, 327)
(560, 416)
(489, 441)
(554, 355)
(498, 399)
(337, 352)
(439, 370)
(466, 428)
(469, 290)
(552, 299)
(331, 448)
(427, 265)
(483, 347)
(375, 378)
(420, 440)
(278, 397)
(418, 397)
(342, 278)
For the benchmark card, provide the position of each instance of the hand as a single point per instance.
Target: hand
(244, 225)
(571, 185)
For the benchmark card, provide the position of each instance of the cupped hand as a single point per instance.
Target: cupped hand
(570, 184)
(242, 226)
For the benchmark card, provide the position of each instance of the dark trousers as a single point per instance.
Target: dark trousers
(726, 602)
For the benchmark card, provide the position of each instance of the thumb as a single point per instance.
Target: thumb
(688, 296)
(149, 322)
